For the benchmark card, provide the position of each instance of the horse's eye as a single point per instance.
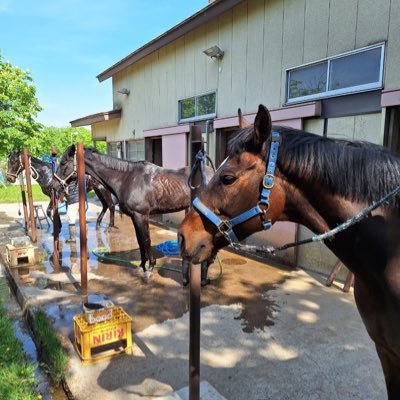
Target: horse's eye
(228, 179)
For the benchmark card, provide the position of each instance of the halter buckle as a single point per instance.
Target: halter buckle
(224, 227)
(268, 181)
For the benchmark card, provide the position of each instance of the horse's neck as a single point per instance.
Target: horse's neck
(318, 209)
(44, 173)
(112, 179)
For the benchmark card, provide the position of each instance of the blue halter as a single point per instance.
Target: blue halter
(226, 227)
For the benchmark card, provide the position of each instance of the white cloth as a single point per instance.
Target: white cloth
(73, 213)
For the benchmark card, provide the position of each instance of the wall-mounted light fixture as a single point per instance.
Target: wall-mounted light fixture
(214, 52)
(124, 91)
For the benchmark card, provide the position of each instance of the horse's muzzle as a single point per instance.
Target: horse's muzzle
(11, 178)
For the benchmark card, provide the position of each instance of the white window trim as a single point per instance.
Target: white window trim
(200, 117)
(338, 92)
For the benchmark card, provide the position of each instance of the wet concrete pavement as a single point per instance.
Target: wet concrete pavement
(267, 332)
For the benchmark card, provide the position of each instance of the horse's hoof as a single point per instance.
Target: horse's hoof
(185, 281)
(148, 274)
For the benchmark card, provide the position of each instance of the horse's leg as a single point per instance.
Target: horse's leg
(185, 272)
(204, 272)
(104, 205)
(137, 220)
(391, 371)
(49, 210)
(147, 243)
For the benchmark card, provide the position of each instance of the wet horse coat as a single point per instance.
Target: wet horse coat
(320, 183)
(43, 174)
(142, 189)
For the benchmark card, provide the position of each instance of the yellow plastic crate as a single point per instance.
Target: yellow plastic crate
(103, 340)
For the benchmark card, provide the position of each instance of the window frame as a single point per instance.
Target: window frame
(337, 92)
(136, 141)
(197, 117)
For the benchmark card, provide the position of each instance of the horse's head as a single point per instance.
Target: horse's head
(15, 165)
(241, 188)
(66, 170)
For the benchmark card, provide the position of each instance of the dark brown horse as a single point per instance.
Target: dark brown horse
(320, 183)
(42, 172)
(142, 189)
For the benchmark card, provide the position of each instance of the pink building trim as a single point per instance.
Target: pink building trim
(289, 116)
(390, 97)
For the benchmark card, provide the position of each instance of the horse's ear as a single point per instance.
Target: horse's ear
(262, 125)
(71, 150)
(243, 123)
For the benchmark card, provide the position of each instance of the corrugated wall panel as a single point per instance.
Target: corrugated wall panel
(254, 60)
(342, 26)
(316, 30)
(273, 73)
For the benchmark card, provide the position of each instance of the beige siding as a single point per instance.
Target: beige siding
(239, 56)
(314, 125)
(342, 26)
(359, 127)
(273, 73)
(224, 71)
(392, 75)
(254, 59)
(261, 39)
(372, 21)
(316, 30)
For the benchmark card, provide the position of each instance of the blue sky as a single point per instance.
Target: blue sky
(67, 43)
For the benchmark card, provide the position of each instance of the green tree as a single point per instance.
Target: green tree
(18, 108)
(61, 138)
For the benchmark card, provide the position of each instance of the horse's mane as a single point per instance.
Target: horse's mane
(359, 171)
(115, 163)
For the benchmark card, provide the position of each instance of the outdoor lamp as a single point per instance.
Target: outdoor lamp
(214, 52)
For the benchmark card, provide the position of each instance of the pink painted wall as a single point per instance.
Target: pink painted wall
(174, 150)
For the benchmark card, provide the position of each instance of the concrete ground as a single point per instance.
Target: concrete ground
(267, 332)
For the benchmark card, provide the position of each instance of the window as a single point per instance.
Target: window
(197, 108)
(135, 150)
(115, 149)
(358, 71)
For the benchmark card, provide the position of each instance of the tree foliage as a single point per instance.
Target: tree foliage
(18, 108)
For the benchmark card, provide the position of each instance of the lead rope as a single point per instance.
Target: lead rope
(319, 238)
(200, 161)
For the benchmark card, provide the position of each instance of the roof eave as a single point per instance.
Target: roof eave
(98, 117)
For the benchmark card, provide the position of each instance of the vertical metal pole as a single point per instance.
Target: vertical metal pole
(30, 199)
(24, 207)
(82, 217)
(195, 288)
(56, 218)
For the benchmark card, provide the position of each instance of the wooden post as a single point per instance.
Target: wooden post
(24, 206)
(56, 217)
(82, 217)
(30, 199)
(195, 287)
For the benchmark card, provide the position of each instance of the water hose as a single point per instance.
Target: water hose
(168, 248)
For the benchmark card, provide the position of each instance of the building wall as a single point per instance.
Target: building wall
(261, 39)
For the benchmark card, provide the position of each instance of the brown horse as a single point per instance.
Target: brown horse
(320, 183)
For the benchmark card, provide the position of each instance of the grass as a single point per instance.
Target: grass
(12, 194)
(17, 373)
(54, 358)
